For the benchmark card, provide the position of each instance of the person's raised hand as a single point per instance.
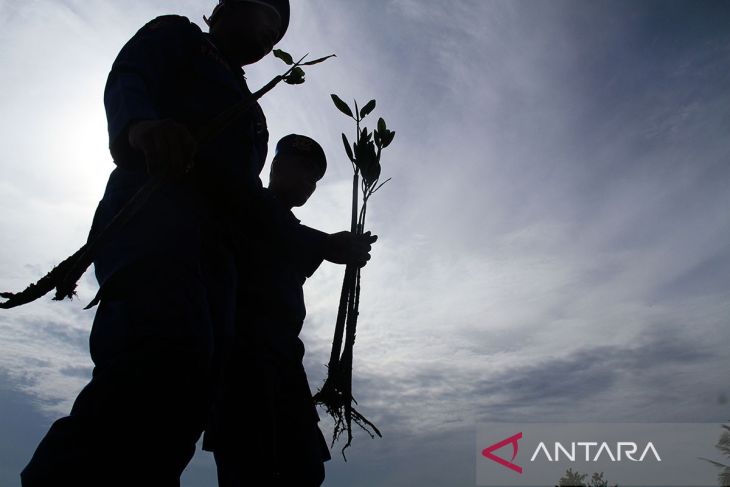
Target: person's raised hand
(168, 146)
(349, 248)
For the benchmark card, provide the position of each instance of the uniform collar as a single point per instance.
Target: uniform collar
(238, 70)
(288, 210)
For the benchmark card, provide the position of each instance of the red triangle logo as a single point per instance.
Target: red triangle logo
(487, 452)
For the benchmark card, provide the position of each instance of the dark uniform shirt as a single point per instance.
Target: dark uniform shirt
(171, 69)
(266, 377)
(274, 292)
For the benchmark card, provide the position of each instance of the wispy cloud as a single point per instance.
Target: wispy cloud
(553, 244)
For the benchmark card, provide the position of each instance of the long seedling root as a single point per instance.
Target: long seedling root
(339, 405)
(44, 285)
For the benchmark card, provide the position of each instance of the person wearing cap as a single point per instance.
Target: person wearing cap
(264, 425)
(168, 279)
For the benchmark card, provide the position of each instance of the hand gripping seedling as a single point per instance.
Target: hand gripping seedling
(64, 277)
(336, 392)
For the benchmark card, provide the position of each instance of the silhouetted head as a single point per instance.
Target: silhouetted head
(298, 164)
(247, 30)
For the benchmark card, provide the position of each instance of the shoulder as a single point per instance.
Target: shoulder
(291, 215)
(168, 22)
(171, 34)
(169, 26)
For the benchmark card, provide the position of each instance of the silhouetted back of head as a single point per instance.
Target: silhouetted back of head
(298, 164)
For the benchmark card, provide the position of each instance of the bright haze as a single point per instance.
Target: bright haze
(554, 242)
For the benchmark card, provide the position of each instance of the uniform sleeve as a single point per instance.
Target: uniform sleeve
(136, 82)
(310, 249)
(305, 245)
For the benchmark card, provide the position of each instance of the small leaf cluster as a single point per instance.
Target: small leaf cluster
(366, 150)
(295, 75)
(577, 479)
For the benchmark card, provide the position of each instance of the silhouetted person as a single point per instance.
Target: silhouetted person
(168, 279)
(265, 423)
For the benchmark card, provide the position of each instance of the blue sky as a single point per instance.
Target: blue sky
(553, 244)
